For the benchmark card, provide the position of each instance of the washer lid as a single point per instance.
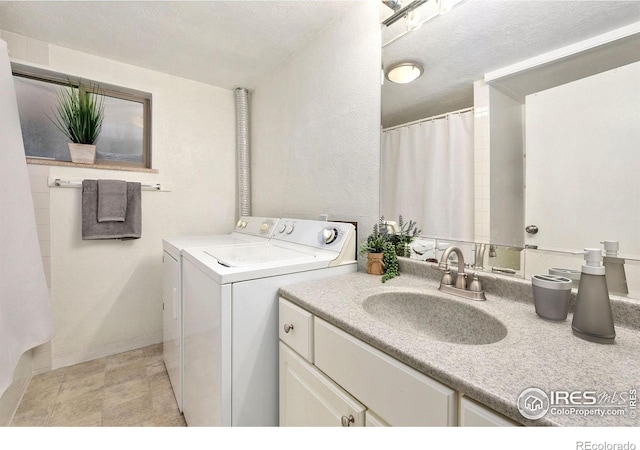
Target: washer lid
(253, 255)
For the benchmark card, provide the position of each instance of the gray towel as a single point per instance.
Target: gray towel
(112, 200)
(131, 228)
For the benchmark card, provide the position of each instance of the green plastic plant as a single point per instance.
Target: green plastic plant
(408, 232)
(390, 260)
(79, 113)
(379, 241)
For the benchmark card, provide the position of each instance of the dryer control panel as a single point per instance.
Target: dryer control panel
(256, 226)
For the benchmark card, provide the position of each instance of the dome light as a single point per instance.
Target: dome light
(404, 73)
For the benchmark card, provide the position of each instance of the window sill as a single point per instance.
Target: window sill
(98, 165)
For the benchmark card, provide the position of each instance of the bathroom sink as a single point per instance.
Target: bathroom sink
(438, 318)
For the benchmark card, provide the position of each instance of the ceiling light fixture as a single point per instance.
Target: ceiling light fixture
(404, 73)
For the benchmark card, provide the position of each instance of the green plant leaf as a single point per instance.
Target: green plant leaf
(80, 112)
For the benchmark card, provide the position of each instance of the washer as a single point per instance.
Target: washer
(231, 317)
(248, 230)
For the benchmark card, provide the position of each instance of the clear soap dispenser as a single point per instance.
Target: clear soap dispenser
(592, 316)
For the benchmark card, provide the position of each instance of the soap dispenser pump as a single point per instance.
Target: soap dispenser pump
(592, 316)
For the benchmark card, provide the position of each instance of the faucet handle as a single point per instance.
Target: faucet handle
(476, 284)
(485, 276)
(447, 278)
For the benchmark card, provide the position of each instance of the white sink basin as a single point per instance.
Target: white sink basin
(442, 319)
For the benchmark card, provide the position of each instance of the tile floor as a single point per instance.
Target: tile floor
(127, 389)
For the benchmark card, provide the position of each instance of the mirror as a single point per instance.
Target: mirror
(484, 53)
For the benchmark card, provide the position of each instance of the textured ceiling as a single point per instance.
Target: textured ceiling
(480, 36)
(237, 43)
(223, 43)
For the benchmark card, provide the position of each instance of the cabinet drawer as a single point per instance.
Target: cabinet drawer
(296, 328)
(400, 395)
(473, 414)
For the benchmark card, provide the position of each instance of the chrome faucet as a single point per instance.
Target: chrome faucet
(474, 291)
(461, 279)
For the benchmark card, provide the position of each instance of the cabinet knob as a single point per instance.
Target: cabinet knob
(347, 421)
(288, 327)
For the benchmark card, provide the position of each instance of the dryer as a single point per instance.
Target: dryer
(248, 230)
(231, 317)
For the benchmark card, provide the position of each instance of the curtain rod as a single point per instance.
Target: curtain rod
(428, 119)
(57, 182)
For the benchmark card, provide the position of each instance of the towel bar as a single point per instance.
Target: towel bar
(57, 182)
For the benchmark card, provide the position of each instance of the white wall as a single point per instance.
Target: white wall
(107, 295)
(316, 127)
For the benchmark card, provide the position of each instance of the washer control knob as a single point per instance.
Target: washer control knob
(289, 229)
(264, 228)
(282, 228)
(239, 224)
(329, 235)
(244, 224)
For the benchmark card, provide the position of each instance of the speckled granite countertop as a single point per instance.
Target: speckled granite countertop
(535, 353)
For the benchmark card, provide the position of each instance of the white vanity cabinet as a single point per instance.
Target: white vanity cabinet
(328, 377)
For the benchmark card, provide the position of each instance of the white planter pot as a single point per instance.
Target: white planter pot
(82, 153)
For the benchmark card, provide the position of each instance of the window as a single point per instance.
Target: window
(125, 139)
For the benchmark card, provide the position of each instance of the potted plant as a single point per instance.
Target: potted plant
(79, 116)
(408, 231)
(381, 253)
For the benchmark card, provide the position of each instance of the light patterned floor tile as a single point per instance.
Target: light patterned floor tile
(78, 387)
(132, 413)
(128, 389)
(81, 411)
(121, 393)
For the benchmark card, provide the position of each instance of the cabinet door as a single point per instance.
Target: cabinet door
(372, 420)
(171, 321)
(473, 414)
(309, 398)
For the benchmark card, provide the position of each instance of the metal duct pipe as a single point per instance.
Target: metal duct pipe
(242, 152)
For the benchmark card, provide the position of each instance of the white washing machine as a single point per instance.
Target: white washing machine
(231, 317)
(248, 230)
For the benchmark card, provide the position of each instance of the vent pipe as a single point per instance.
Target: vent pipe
(242, 152)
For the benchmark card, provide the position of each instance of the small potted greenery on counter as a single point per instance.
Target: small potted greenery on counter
(381, 252)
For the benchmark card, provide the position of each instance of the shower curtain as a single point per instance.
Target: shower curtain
(427, 175)
(25, 312)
